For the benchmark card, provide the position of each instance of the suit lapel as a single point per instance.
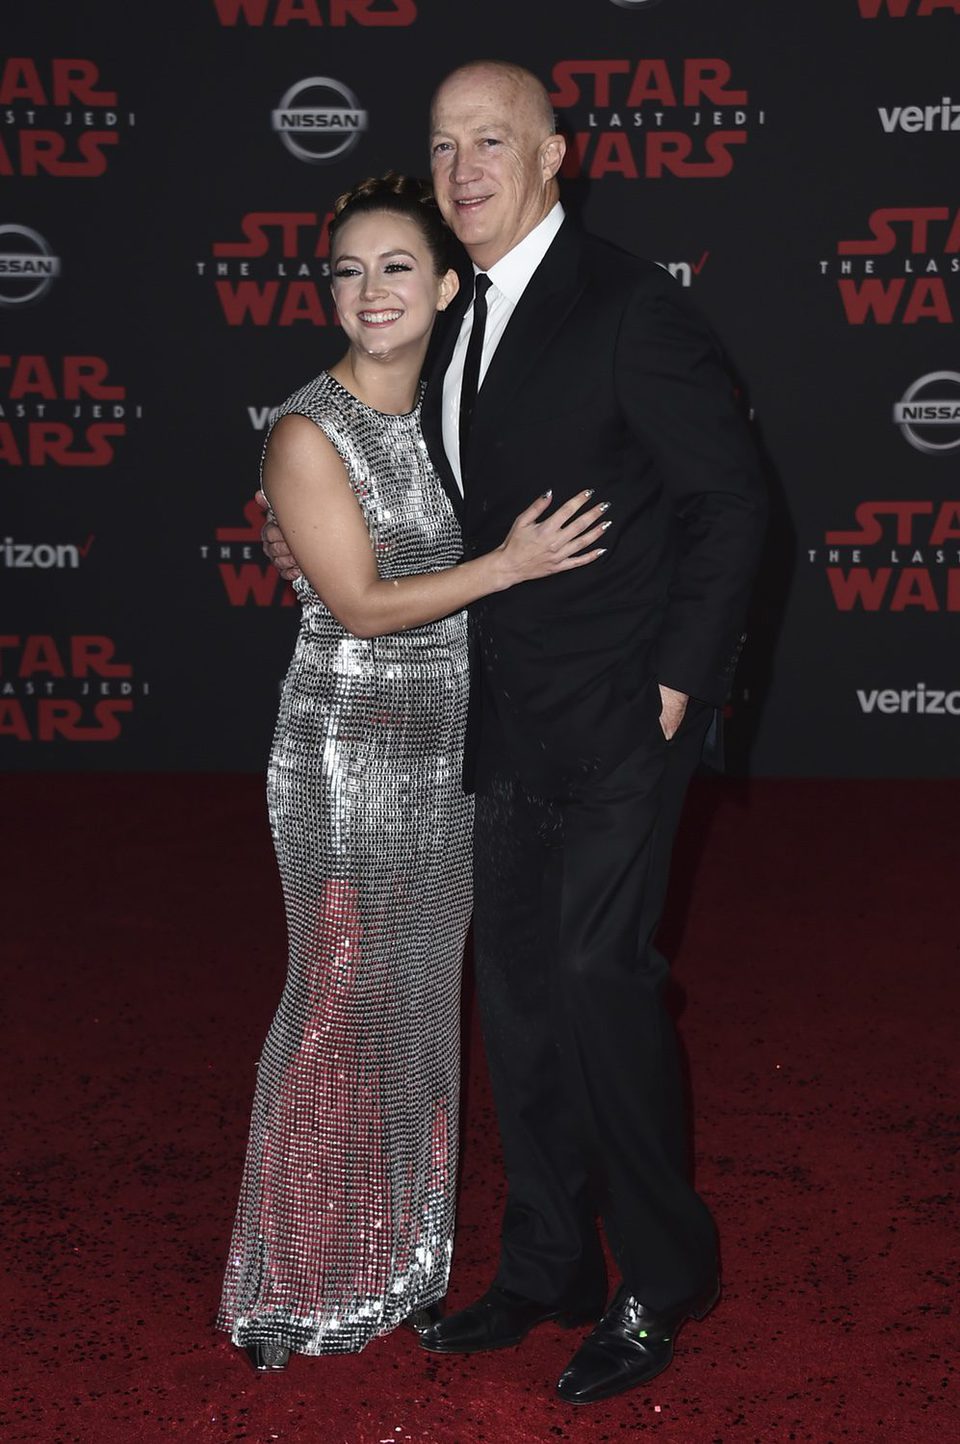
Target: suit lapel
(551, 293)
(438, 359)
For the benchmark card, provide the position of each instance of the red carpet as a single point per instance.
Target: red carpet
(143, 949)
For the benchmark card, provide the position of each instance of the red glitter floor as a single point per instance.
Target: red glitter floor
(818, 988)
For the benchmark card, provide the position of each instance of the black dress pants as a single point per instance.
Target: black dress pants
(581, 1051)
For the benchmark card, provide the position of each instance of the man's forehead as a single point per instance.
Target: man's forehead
(473, 119)
(480, 95)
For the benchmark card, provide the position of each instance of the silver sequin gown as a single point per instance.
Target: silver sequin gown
(346, 1212)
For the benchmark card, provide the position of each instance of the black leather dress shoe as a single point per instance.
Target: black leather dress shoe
(630, 1345)
(499, 1320)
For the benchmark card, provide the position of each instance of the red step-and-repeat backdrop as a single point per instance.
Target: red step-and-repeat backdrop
(166, 173)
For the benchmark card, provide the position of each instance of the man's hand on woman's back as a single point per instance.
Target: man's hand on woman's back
(275, 544)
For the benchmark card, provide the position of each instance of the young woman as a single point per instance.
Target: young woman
(345, 1222)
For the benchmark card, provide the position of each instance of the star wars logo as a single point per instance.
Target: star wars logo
(65, 689)
(246, 576)
(311, 12)
(898, 274)
(56, 119)
(61, 411)
(898, 556)
(272, 275)
(899, 9)
(651, 118)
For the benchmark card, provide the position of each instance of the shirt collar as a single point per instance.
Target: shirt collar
(512, 273)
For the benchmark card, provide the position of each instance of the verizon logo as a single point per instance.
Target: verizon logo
(911, 118)
(921, 700)
(25, 556)
(261, 416)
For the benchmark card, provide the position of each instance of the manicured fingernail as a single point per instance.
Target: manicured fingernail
(605, 524)
(588, 493)
(601, 551)
(546, 495)
(604, 506)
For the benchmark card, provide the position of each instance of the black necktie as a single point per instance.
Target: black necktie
(471, 365)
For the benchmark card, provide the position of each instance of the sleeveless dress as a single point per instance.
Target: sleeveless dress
(346, 1213)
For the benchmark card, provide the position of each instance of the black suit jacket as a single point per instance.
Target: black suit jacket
(604, 377)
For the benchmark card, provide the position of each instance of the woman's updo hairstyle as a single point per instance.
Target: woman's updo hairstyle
(403, 195)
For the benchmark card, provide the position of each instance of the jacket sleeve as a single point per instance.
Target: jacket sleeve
(679, 402)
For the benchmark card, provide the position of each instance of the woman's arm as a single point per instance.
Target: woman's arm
(309, 493)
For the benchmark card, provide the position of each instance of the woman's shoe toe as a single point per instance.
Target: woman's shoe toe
(267, 1358)
(424, 1318)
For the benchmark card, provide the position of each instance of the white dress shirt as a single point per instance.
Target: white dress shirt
(509, 279)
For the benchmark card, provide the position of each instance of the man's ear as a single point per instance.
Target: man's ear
(449, 286)
(552, 151)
